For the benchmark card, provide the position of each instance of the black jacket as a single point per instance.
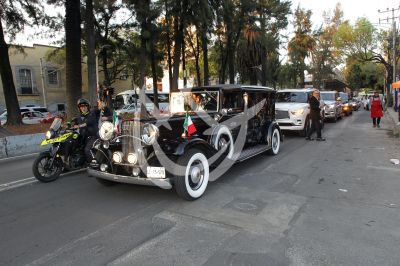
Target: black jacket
(314, 106)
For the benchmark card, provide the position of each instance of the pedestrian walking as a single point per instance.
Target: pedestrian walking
(315, 115)
(376, 103)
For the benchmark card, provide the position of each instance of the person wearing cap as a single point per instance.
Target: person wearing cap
(315, 116)
(376, 103)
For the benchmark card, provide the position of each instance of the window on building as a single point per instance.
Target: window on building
(25, 81)
(53, 77)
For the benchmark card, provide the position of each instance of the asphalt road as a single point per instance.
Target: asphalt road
(316, 203)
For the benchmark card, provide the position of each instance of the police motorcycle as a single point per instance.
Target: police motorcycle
(65, 153)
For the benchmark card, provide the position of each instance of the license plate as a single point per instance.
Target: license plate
(155, 172)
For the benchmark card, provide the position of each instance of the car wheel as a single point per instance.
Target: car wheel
(306, 128)
(275, 142)
(194, 173)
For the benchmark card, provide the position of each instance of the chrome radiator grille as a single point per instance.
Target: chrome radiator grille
(130, 128)
(279, 114)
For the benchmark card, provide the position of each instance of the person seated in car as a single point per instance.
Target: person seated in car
(198, 103)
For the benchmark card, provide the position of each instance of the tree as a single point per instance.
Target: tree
(73, 54)
(14, 15)
(324, 56)
(301, 45)
(363, 42)
(91, 51)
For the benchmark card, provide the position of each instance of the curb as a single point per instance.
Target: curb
(394, 118)
(20, 145)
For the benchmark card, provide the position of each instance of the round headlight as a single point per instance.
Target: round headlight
(150, 134)
(117, 156)
(106, 131)
(132, 158)
(49, 134)
(106, 144)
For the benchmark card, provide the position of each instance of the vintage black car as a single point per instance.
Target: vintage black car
(207, 130)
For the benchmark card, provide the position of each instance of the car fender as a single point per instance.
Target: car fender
(195, 142)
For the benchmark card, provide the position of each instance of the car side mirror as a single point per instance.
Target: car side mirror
(339, 99)
(224, 111)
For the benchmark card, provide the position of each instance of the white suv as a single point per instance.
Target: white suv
(292, 110)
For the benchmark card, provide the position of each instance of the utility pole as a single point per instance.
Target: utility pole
(394, 49)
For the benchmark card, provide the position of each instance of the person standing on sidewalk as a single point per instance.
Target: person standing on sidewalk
(315, 115)
(376, 104)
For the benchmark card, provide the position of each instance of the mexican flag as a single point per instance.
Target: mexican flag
(189, 126)
(116, 122)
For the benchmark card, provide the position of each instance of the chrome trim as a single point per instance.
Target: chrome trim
(162, 183)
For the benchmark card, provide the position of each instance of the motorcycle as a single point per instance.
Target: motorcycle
(65, 154)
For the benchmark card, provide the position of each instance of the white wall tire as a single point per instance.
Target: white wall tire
(275, 142)
(193, 180)
(224, 131)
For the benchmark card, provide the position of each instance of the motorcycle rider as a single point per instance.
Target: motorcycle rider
(87, 122)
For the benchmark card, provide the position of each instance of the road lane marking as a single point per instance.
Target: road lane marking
(29, 180)
(383, 168)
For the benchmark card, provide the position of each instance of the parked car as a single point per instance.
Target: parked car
(128, 101)
(30, 115)
(333, 106)
(346, 106)
(292, 110)
(35, 108)
(207, 129)
(355, 104)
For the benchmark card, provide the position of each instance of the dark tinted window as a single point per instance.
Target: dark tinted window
(233, 100)
(328, 96)
(292, 97)
(43, 110)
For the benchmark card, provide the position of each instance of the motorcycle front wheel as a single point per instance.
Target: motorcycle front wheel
(45, 169)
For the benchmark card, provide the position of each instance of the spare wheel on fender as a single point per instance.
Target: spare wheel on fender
(223, 136)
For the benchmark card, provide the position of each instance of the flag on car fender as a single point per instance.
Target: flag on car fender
(189, 126)
(116, 123)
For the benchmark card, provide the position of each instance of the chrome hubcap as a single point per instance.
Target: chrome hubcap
(196, 175)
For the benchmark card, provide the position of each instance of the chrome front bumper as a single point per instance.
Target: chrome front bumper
(162, 183)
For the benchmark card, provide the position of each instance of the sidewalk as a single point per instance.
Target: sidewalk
(394, 118)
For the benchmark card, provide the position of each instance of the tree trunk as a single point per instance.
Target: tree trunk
(184, 62)
(204, 43)
(10, 95)
(91, 54)
(73, 55)
(169, 46)
(154, 73)
(263, 53)
(177, 54)
(231, 60)
(104, 58)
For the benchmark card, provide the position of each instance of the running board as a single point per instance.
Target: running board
(251, 152)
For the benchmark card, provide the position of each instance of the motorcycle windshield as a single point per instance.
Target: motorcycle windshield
(56, 124)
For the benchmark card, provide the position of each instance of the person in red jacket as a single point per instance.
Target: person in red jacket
(376, 104)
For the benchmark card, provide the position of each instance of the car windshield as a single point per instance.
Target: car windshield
(328, 96)
(291, 97)
(56, 124)
(344, 96)
(41, 109)
(119, 101)
(202, 101)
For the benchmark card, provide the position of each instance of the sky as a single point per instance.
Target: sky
(352, 10)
